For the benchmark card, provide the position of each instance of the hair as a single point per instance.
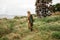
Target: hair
(28, 12)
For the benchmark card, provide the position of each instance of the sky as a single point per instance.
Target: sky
(18, 7)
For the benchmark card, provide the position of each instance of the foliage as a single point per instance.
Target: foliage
(5, 38)
(46, 28)
(50, 19)
(16, 17)
(56, 7)
(56, 35)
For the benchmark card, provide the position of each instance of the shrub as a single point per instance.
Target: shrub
(23, 17)
(50, 19)
(51, 27)
(11, 24)
(4, 18)
(5, 38)
(56, 35)
(4, 31)
(16, 17)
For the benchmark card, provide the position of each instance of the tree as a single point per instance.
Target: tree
(42, 7)
(56, 7)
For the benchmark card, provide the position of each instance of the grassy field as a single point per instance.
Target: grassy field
(17, 29)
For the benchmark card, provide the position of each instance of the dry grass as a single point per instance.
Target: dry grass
(16, 29)
(56, 13)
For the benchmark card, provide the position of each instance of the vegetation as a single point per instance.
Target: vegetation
(47, 28)
(56, 35)
(56, 7)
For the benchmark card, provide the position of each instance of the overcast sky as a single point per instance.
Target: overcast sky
(18, 7)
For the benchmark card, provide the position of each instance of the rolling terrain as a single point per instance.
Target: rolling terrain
(47, 28)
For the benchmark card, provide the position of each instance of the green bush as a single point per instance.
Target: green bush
(51, 27)
(50, 19)
(16, 17)
(56, 35)
(4, 31)
(11, 24)
(23, 17)
(4, 19)
(5, 38)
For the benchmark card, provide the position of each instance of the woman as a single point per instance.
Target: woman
(30, 21)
